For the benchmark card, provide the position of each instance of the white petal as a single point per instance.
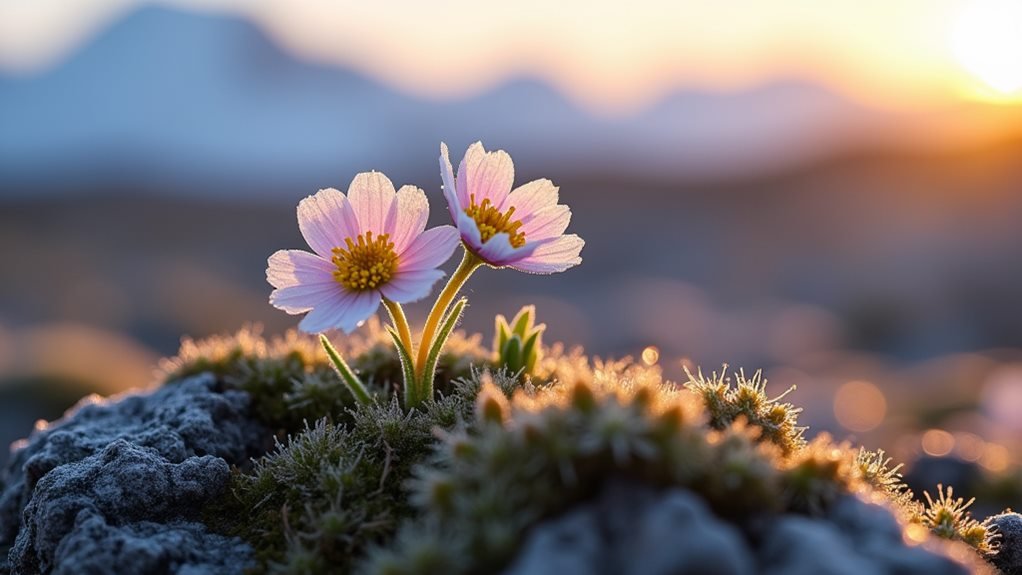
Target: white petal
(325, 220)
(411, 286)
(546, 223)
(345, 313)
(498, 251)
(485, 175)
(366, 304)
(469, 231)
(409, 213)
(432, 248)
(552, 256)
(371, 195)
(286, 268)
(327, 315)
(529, 198)
(302, 298)
(450, 188)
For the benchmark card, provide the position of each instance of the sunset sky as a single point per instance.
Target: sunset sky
(609, 56)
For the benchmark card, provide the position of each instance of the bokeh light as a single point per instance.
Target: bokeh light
(937, 442)
(650, 355)
(1002, 396)
(996, 458)
(860, 406)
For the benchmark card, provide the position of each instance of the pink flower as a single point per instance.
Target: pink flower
(523, 229)
(368, 245)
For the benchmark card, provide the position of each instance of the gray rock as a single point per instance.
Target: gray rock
(865, 523)
(796, 545)
(185, 548)
(680, 535)
(857, 537)
(121, 483)
(1009, 557)
(179, 420)
(635, 530)
(570, 545)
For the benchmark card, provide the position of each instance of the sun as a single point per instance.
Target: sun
(987, 41)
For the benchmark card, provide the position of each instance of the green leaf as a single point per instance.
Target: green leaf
(447, 326)
(502, 332)
(350, 379)
(407, 368)
(511, 355)
(523, 321)
(530, 351)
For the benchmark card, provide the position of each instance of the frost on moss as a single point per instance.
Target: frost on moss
(552, 448)
(948, 517)
(290, 380)
(457, 485)
(747, 399)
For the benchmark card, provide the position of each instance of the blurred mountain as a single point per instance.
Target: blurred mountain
(181, 100)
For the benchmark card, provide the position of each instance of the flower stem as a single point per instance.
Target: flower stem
(469, 264)
(397, 317)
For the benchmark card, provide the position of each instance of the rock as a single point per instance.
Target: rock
(796, 545)
(1009, 557)
(635, 530)
(119, 485)
(855, 537)
(864, 522)
(570, 545)
(185, 548)
(707, 546)
(179, 420)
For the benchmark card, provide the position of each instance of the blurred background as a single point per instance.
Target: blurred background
(831, 192)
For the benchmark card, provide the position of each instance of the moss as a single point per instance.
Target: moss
(290, 381)
(454, 487)
(816, 475)
(876, 470)
(747, 399)
(948, 517)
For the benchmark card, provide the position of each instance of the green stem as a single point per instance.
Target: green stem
(469, 264)
(350, 379)
(397, 317)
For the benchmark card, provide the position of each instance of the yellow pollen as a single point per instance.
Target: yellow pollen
(366, 263)
(492, 221)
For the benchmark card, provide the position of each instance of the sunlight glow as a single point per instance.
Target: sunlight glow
(613, 57)
(987, 41)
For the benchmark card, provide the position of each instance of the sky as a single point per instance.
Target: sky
(612, 57)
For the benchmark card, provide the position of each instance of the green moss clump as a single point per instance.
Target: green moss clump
(334, 483)
(553, 447)
(747, 399)
(455, 486)
(289, 377)
(948, 517)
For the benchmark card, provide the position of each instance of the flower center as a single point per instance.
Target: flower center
(366, 263)
(492, 221)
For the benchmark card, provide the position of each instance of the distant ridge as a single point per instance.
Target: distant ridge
(199, 100)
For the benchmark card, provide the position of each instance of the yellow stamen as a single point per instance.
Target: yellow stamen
(366, 263)
(492, 221)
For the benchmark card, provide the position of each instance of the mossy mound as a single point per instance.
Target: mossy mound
(494, 473)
